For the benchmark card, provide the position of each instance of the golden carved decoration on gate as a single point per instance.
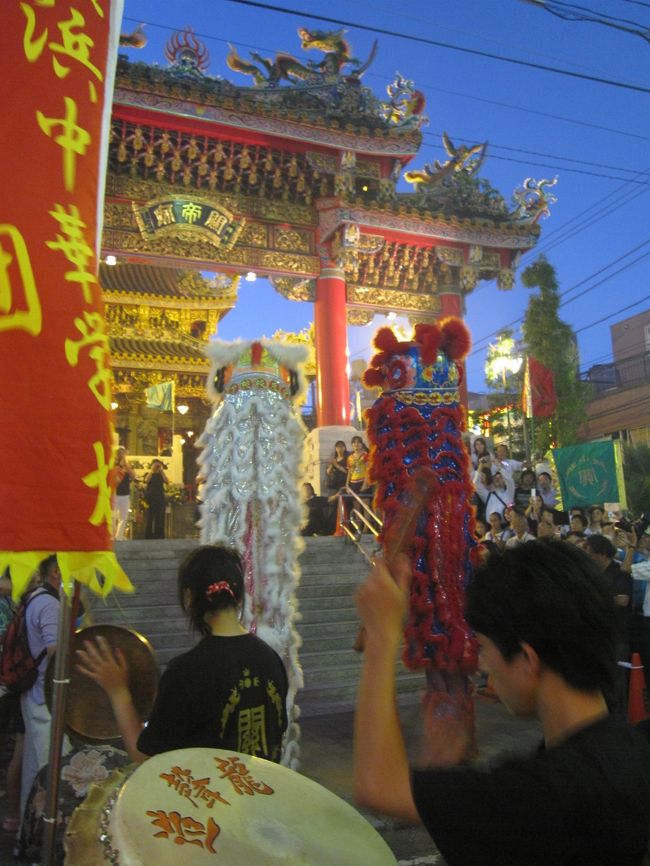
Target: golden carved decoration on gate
(360, 316)
(221, 288)
(254, 235)
(280, 261)
(133, 382)
(506, 279)
(292, 239)
(295, 289)
(252, 206)
(450, 255)
(206, 163)
(490, 261)
(392, 300)
(424, 319)
(119, 215)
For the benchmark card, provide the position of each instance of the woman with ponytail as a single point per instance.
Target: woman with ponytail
(228, 692)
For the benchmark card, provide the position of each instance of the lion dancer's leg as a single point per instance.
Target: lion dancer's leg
(418, 422)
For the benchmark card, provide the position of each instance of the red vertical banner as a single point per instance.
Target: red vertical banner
(57, 71)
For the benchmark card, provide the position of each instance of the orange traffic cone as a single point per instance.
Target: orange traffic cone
(635, 704)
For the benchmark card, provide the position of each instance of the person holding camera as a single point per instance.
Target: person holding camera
(154, 496)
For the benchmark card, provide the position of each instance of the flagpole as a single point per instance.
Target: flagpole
(525, 406)
(173, 414)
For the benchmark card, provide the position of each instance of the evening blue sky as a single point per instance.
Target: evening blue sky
(594, 136)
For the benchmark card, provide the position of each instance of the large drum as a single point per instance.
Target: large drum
(211, 806)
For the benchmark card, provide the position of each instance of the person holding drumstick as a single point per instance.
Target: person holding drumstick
(543, 617)
(228, 692)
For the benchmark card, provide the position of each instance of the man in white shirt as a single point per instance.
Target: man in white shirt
(546, 490)
(519, 524)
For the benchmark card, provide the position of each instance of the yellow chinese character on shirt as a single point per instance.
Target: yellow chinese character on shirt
(73, 139)
(251, 733)
(100, 478)
(16, 274)
(74, 247)
(91, 328)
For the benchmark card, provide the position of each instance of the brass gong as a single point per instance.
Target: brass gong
(89, 715)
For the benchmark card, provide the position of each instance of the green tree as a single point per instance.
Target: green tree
(636, 469)
(552, 342)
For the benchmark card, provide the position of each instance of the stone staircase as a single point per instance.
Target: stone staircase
(332, 569)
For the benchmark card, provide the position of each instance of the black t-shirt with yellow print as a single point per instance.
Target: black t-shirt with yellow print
(225, 693)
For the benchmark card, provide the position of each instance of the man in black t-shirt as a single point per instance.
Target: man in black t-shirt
(543, 617)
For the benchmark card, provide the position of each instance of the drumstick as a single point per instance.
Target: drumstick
(400, 537)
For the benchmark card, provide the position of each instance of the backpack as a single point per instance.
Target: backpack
(18, 667)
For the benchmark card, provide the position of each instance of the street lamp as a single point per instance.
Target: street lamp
(502, 359)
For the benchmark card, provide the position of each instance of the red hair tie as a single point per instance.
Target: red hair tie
(221, 586)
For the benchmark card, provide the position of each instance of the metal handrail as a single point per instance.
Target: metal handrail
(360, 516)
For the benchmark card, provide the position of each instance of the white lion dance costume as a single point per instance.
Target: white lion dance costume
(251, 465)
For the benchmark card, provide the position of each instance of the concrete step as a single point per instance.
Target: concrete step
(327, 616)
(314, 699)
(346, 589)
(332, 570)
(324, 602)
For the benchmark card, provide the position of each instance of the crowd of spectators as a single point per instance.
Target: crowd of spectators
(517, 502)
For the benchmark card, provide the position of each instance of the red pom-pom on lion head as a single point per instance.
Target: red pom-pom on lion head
(456, 341)
(449, 336)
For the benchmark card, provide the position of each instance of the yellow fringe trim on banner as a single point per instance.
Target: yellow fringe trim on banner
(99, 570)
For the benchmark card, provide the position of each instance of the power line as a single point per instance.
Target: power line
(604, 212)
(600, 282)
(572, 12)
(437, 44)
(372, 4)
(639, 347)
(477, 348)
(424, 86)
(611, 315)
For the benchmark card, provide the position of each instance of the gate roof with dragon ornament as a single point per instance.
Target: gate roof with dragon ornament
(290, 175)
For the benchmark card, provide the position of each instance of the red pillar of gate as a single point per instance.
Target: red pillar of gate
(451, 304)
(331, 327)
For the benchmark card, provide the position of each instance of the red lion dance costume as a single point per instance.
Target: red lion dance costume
(417, 423)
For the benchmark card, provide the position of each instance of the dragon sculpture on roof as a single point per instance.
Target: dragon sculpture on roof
(269, 72)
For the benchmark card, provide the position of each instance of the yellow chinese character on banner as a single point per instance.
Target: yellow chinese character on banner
(73, 139)
(74, 247)
(100, 478)
(15, 275)
(75, 45)
(91, 328)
